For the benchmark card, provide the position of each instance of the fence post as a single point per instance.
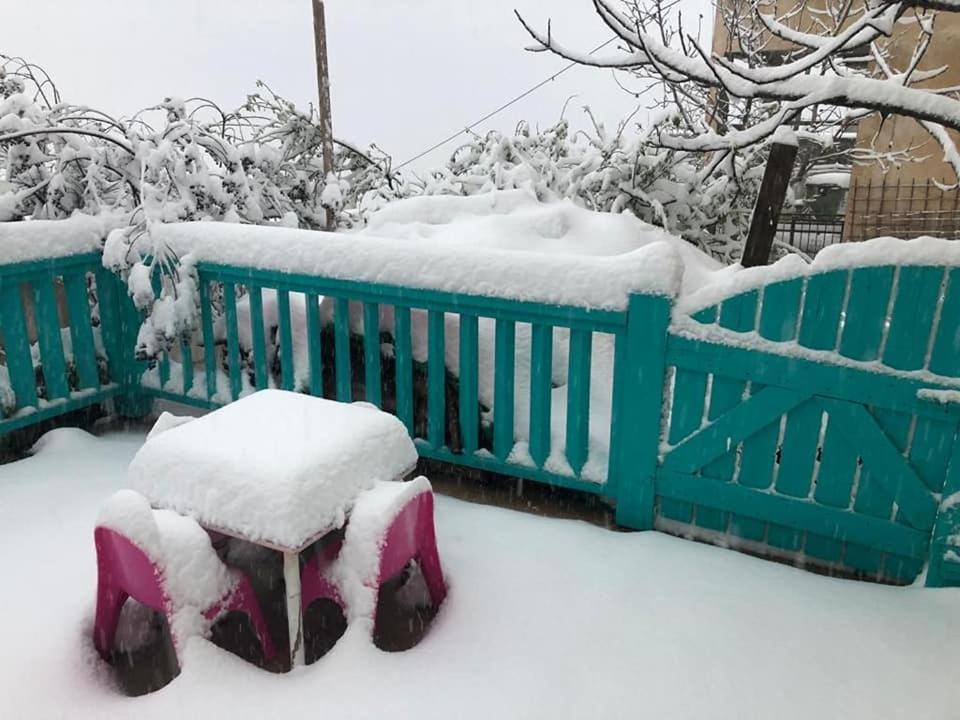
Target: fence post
(946, 528)
(638, 391)
(120, 320)
(766, 213)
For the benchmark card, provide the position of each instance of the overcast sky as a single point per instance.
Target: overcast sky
(404, 73)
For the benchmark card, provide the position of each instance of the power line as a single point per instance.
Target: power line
(500, 109)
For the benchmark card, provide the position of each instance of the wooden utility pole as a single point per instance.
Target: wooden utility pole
(323, 88)
(766, 213)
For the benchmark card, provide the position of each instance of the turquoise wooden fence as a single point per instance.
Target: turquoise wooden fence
(788, 418)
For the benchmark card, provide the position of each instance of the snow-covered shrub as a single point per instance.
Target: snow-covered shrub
(620, 171)
(180, 160)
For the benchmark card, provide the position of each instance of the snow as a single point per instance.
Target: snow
(944, 397)
(545, 619)
(832, 179)
(357, 567)
(275, 466)
(784, 135)
(515, 220)
(591, 281)
(43, 239)
(734, 280)
(194, 578)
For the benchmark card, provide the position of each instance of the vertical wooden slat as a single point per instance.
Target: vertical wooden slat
(404, 369)
(49, 338)
(163, 359)
(911, 321)
(578, 399)
(779, 319)
(866, 312)
(16, 345)
(233, 341)
(946, 526)
(209, 344)
(822, 308)
(838, 469)
(81, 332)
(341, 331)
(930, 450)
(436, 379)
(541, 385)
(261, 376)
(739, 314)
(287, 375)
(686, 416)
(108, 306)
(186, 363)
(503, 393)
(371, 353)
(314, 345)
(469, 369)
(945, 358)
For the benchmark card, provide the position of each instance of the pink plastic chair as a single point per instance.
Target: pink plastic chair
(410, 535)
(125, 570)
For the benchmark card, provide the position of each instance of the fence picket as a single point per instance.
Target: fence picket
(436, 379)
(866, 312)
(23, 380)
(779, 317)
(578, 399)
(186, 363)
(371, 354)
(258, 338)
(285, 330)
(341, 349)
(314, 345)
(233, 341)
(50, 339)
(739, 314)
(541, 372)
(912, 318)
(404, 366)
(209, 344)
(468, 404)
(503, 397)
(945, 358)
(81, 331)
(822, 308)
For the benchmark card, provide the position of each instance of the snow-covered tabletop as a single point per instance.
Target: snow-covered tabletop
(277, 468)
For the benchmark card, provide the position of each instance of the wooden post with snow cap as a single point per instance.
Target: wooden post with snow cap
(773, 191)
(323, 89)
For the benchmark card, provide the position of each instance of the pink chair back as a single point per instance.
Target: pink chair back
(411, 536)
(128, 568)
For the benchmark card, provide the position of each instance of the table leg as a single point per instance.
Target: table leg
(291, 579)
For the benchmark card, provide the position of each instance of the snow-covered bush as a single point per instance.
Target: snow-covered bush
(180, 160)
(606, 171)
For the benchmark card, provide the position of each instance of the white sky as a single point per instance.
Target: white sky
(404, 73)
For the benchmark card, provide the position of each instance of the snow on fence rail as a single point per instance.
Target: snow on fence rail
(800, 409)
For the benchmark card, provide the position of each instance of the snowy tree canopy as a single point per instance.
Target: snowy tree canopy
(845, 63)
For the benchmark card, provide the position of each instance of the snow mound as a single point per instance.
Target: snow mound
(524, 272)
(734, 280)
(275, 467)
(43, 239)
(515, 220)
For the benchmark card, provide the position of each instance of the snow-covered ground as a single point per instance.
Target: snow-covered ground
(545, 619)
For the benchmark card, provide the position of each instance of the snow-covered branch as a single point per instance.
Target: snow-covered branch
(816, 69)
